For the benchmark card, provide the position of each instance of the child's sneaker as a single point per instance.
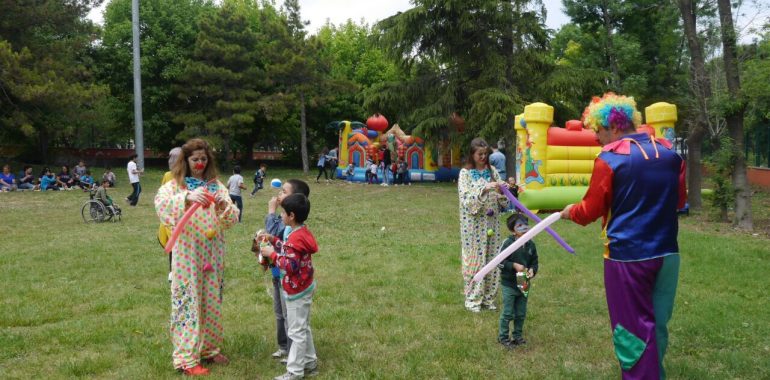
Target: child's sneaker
(519, 341)
(280, 353)
(507, 343)
(311, 369)
(288, 376)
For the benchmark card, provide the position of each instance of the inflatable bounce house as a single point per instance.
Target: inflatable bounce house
(554, 165)
(425, 162)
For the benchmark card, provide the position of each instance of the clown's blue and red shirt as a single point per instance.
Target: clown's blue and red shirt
(637, 186)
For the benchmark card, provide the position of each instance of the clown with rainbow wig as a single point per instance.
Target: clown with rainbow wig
(637, 185)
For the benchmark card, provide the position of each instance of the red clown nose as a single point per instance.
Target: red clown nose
(200, 166)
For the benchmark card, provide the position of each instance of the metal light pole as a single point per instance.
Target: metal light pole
(138, 131)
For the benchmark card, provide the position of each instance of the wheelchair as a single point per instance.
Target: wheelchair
(95, 211)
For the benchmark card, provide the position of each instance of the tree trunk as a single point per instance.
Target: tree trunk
(701, 89)
(694, 174)
(615, 80)
(43, 144)
(225, 163)
(303, 133)
(249, 150)
(734, 118)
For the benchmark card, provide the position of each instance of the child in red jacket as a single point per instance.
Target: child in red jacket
(296, 264)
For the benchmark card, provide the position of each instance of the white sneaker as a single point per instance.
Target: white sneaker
(288, 376)
(170, 277)
(311, 369)
(279, 354)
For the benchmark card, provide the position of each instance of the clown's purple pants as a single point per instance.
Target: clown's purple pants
(640, 299)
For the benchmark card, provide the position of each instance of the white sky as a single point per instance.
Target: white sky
(753, 13)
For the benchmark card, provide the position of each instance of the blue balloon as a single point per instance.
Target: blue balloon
(275, 183)
(523, 122)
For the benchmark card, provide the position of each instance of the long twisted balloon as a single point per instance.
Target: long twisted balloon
(534, 217)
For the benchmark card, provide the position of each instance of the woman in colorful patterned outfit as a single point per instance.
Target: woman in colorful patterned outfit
(480, 204)
(197, 257)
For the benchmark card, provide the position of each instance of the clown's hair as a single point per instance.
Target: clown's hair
(612, 109)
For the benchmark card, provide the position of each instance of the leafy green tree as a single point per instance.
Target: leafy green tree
(637, 44)
(486, 74)
(734, 114)
(220, 85)
(168, 32)
(357, 64)
(724, 164)
(300, 71)
(700, 87)
(47, 91)
(756, 90)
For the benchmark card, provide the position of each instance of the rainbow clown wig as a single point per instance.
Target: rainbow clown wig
(612, 109)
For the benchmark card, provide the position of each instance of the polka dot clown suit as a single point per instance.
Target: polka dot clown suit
(479, 233)
(197, 262)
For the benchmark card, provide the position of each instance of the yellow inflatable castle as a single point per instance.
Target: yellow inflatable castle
(554, 165)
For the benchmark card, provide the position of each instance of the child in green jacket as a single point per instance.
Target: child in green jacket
(515, 272)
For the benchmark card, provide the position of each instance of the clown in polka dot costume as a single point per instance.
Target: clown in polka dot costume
(197, 258)
(480, 205)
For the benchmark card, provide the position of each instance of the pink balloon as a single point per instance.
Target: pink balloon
(516, 245)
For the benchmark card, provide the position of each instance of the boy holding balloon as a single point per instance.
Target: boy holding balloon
(276, 227)
(515, 272)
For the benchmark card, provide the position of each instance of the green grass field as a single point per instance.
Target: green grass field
(92, 300)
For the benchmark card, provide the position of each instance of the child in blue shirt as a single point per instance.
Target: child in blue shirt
(274, 226)
(48, 181)
(87, 181)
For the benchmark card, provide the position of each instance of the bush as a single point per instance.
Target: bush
(723, 163)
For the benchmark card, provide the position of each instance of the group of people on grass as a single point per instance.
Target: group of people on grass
(79, 177)
(380, 168)
(637, 186)
(639, 222)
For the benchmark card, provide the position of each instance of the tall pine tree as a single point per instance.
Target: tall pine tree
(221, 82)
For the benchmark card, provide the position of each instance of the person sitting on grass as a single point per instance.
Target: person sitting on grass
(48, 181)
(109, 176)
(87, 181)
(295, 261)
(515, 273)
(65, 180)
(79, 171)
(27, 179)
(7, 179)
